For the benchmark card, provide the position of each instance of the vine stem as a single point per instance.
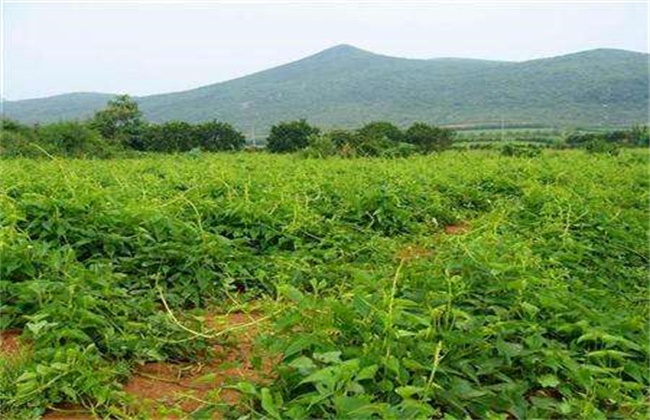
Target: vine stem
(175, 320)
(391, 305)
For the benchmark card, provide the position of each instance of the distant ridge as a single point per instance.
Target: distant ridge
(346, 86)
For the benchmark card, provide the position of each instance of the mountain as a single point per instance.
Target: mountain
(345, 86)
(54, 108)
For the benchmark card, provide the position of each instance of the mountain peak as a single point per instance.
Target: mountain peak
(342, 50)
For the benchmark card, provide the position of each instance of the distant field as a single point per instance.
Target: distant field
(456, 285)
(536, 135)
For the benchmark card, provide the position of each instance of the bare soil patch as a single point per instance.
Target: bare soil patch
(413, 252)
(460, 228)
(68, 412)
(169, 390)
(175, 390)
(10, 342)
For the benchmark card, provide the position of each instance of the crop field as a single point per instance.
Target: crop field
(464, 284)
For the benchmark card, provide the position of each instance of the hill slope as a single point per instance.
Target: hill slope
(346, 86)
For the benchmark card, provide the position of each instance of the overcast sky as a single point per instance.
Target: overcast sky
(141, 48)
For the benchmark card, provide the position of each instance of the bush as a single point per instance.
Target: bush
(603, 147)
(69, 139)
(73, 139)
(320, 146)
(521, 150)
(400, 150)
(17, 140)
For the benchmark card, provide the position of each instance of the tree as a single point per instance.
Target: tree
(172, 136)
(213, 136)
(374, 138)
(382, 130)
(429, 138)
(121, 120)
(290, 136)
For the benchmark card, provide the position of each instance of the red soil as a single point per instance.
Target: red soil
(172, 391)
(10, 342)
(68, 412)
(457, 229)
(179, 389)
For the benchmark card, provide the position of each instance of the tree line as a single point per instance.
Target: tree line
(117, 128)
(121, 127)
(379, 138)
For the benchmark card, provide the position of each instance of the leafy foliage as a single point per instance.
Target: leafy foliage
(532, 305)
(70, 139)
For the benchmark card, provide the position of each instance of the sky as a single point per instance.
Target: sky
(144, 48)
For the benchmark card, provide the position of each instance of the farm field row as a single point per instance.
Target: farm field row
(460, 284)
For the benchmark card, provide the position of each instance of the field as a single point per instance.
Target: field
(457, 285)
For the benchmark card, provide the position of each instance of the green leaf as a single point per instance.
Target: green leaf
(353, 407)
(331, 357)
(324, 375)
(245, 388)
(612, 354)
(367, 372)
(268, 404)
(392, 364)
(408, 391)
(548, 381)
(304, 365)
(291, 293)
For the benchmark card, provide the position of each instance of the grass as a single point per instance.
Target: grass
(535, 308)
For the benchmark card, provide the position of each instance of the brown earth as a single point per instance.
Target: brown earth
(173, 391)
(413, 252)
(457, 229)
(176, 390)
(10, 342)
(68, 412)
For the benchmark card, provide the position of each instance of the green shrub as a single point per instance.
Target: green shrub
(602, 147)
(69, 139)
(520, 150)
(73, 139)
(400, 150)
(320, 146)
